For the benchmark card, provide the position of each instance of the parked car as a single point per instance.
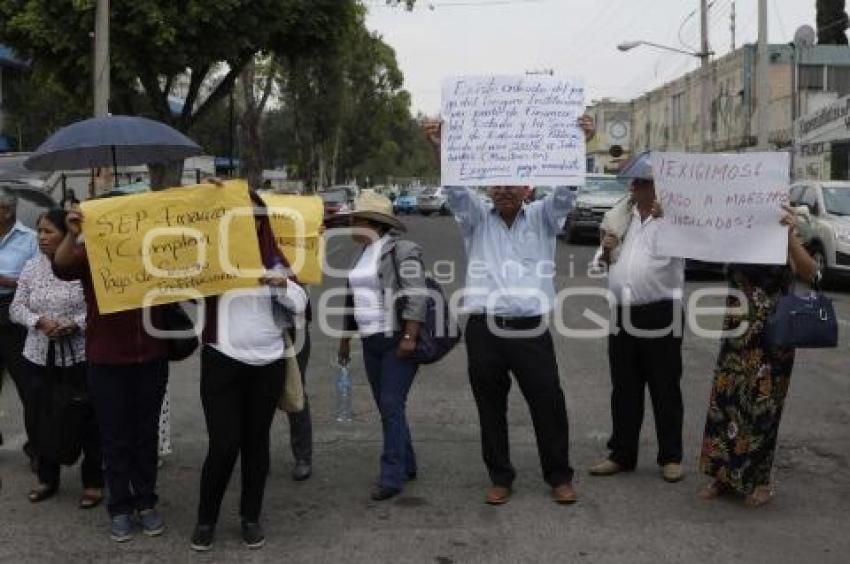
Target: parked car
(32, 202)
(826, 229)
(541, 192)
(407, 201)
(432, 201)
(336, 202)
(598, 195)
(351, 191)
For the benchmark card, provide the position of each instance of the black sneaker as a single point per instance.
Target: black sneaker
(380, 493)
(202, 538)
(252, 535)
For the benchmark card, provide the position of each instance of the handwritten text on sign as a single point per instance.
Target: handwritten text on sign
(507, 131)
(168, 246)
(296, 222)
(722, 208)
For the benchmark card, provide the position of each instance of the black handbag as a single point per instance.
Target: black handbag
(64, 406)
(803, 322)
(439, 333)
(176, 319)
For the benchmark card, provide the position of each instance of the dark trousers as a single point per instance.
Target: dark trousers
(390, 379)
(239, 405)
(301, 424)
(91, 468)
(127, 399)
(638, 362)
(492, 358)
(12, 338)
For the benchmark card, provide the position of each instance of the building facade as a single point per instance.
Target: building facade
(802, 81)
(611, 145)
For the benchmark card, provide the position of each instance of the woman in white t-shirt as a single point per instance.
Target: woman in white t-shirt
(386, 305)
(242, 375)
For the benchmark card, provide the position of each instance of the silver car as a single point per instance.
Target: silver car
(432, 200)
(598, 195)
(827, 231)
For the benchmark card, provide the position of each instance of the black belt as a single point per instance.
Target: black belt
(515, 323)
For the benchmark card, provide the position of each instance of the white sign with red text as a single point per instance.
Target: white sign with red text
(723, 208)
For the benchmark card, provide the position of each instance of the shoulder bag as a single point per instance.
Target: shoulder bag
(803, 322)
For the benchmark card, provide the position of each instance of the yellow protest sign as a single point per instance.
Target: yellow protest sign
(168, 246)
(296, 222)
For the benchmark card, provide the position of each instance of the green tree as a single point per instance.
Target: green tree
(157, 43)
(349, 115)
(197, 49)
(832, 21)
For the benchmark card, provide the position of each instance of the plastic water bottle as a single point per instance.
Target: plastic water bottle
(343, 394)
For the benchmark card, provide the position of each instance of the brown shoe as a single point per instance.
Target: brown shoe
(564, 494)
(672, 473)
(498, 495)
(605, 468)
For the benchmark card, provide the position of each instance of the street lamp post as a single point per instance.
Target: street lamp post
(704, 71)
(703, 54)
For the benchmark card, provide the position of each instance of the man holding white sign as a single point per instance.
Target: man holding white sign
(645, 348)
(508, 133)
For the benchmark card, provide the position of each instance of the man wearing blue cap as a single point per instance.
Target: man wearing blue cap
(645, 346)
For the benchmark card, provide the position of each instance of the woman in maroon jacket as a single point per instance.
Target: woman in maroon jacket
(128, 371)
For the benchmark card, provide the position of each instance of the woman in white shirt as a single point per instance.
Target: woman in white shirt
(54, 312)
(386, 306)
(242, 375)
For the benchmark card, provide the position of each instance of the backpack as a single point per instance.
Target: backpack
(433, 342)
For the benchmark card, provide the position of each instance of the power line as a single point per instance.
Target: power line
(451, 4)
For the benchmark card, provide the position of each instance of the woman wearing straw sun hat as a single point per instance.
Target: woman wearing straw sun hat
(386, 305)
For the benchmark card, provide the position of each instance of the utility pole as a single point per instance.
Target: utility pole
(705, 133)
(763, 81)
(734, 26)
(231, 127)
(101, 59)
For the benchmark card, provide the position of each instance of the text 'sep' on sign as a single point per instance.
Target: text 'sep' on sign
(172, 245)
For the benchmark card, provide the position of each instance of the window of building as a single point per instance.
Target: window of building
(678, 112)
(838, 80)
(811, 77)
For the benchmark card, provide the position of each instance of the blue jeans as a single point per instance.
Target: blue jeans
(390, 379)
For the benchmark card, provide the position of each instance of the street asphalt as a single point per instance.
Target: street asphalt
(441, 517)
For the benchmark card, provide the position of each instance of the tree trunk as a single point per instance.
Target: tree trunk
(166, 175)
(252, 159)
(322, 166)
(251, 121)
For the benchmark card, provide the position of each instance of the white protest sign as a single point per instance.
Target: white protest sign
(512, 130)
(722, 208)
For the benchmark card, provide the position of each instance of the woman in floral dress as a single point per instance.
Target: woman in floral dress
(751, 380)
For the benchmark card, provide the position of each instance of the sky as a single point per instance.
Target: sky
(570, 37)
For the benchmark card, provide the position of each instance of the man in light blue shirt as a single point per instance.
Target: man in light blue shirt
(18, 244)
(509, 289)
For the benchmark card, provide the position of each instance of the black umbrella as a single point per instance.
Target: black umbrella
(111, 141)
